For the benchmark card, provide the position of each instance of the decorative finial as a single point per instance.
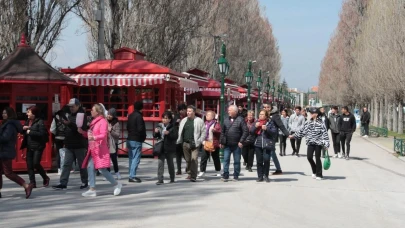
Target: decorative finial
(223, 50)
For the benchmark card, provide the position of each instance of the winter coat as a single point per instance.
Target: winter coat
(136, 127)
(98, 148)
(169, 141)
(347, 123)
(8, 138)
(199, 131)
(37, 137)
(234, 132)
(275, 117)
(115, 129)
(296, 122)
(333, 123)
(214, 133)
(325, 121)
(285, 123)
(315, 133)
(269, 134)
(365, 118)
(73, 139)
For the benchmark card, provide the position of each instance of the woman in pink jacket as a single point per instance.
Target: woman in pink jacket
(98, 153)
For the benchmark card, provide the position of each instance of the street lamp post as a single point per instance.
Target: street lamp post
(224, 70)
(248, 78)
(259, 84)
(268, 88)
(273, 89)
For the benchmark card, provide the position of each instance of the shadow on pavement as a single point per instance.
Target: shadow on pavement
(334, 178)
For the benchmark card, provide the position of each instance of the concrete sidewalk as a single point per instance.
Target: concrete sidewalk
(366, 191)
(385, 143)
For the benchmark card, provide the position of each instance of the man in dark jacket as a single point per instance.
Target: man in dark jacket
(365, 121)
(242, 111)
(233, 134)
(334, 118)
(136, 136)
(75, 145)
(347, 126)
(275, 117)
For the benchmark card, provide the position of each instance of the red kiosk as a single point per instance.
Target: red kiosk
(26, 80)
(127, 78)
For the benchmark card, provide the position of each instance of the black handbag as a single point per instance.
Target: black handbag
(158, 148)
(250, 140)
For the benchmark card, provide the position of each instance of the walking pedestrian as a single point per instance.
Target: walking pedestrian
(296, 122)
(115, 131)
(136, 136)
(35, 139)
(265, 144)
(58, 131)
(283, 138)
(213, 132)
(98, 155)
(347, 126)
(242, 111)
(169, 133)
(334, 130)
(181, 113)
(317, 138)
(75, 145)
(9, 129)
(365, 121)
(233, 134)
(191, 134)
(248, 151)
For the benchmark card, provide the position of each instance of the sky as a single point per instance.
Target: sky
(302, 27)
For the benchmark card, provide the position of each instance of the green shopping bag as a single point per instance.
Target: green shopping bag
(326, 161)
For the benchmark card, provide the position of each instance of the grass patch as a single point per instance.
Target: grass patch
(394, 134)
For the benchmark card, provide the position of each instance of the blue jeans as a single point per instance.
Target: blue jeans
(275, 160)
(92, 174)
(134, 156)
(236, 161)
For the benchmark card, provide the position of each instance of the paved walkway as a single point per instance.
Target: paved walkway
(367, 191)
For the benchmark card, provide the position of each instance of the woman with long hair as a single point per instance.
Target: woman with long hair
(98, 153)
(248, 151)
(168, 132)
(265, 144)
(115, 131)
(8, 137)
(283, 138)
(317, 138)
(35, 138)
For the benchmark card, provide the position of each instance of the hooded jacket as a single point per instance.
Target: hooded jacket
(315, 133)
(347, 123)
(275, 117)
(8, 138)
(333, 123)
(296, 122)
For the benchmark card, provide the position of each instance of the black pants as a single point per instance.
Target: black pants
(316, 168)
(114, 159)
(366, 129)
(179, 156)
(283, 143)
(263, 161)
(295, 144)
(345, 138)
(161, 165)
(34, 162)
(204, 159)
(336, 142)
(58, 146)
(248, 154)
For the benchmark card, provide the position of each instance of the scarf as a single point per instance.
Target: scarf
(259, 129)
(208, 125)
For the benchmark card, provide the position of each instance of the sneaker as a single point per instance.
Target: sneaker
(118, 176)
(365, 136)
(159, 183)
(260, 179)
(89, 193)
(313, 176)
(339, 155)
(219, 174)
(297, 155)
(117, 189)
(347, 157)
(278, 172)
(84, 185)
(224, 179)
(59, 187)
(104, 179)
(201, 174)
(335, 156)
(319, 178)
(59, 172)
(235, 179)
(188, 177)
(266, 179)
(134, 180)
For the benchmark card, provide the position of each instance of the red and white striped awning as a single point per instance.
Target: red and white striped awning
(189, 85)
(119, 79)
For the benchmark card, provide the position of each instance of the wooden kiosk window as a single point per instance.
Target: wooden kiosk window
(150, 99)
(211, 105)
(116, 97)
(87, 96)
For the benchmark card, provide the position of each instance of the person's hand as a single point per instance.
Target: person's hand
(26, 128)
(28, 131)
(80, 130)
(166, 132)
(257, 124)
(203, 143)
(264, 127)
(291, 136)
(156, 130)
(91, 138)
(66, 122)
(221, 146)
(109, 128)
(240, 145)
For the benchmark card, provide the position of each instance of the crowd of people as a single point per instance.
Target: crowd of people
(92, 142)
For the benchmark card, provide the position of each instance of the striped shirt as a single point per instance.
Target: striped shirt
(315, 132)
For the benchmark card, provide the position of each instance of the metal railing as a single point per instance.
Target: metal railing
(399, 146)
(378, 131)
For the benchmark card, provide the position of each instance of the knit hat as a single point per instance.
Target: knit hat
(112, 112)
(138, 105)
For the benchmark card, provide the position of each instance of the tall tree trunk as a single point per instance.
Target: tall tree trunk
(381, 113)
(376, 112)
(371, 110)
(395, 117)
(389, 115)
(400, 118)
